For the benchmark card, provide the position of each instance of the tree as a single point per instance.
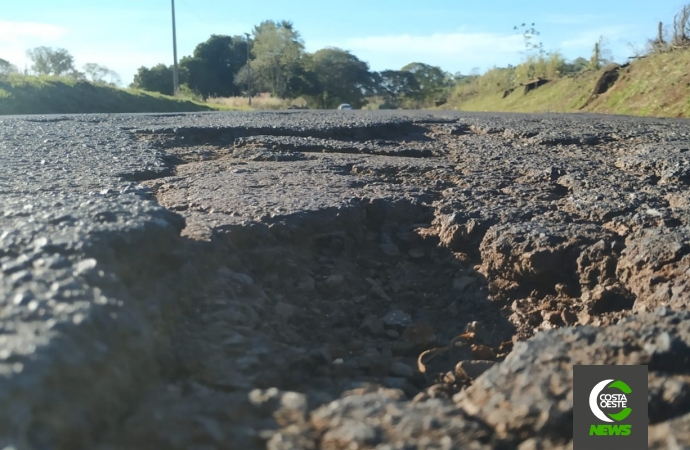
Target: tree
(395, 85)
(530, 36)
(98, 74)
(278, 51)
(6, 67)
(214, 65)
(242, 77)
(158, 78)
(579, 64)
(433, 82)
(340, 78)
(600, 55)
(75, 74)
(681, 28)
(49, 61)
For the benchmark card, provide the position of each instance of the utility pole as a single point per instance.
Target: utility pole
(176, 74)
(249, 74)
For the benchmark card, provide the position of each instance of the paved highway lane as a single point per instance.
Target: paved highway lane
(159, 273)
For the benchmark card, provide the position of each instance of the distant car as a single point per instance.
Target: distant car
(345, 106)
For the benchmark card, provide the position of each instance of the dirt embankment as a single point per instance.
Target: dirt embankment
(656, 85)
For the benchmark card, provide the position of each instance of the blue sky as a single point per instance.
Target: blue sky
(458, 35)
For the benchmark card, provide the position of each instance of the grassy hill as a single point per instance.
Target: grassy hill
(55, 95)
(657, 85)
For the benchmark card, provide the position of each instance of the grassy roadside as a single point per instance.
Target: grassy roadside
(56, 95)
(657, 85)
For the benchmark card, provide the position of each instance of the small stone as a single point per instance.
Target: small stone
(482, 352)
(535, 318)
(240, 278)
(22, 298)
(569, 318)
(462, 283)
(355, 345)
(416, 253)
(265, 400)
(373, 325)
(584, 318)
(40, 242)
(397, 318)
(285, 310)
(307, 284)
(640, 307)
(419, 333)
(335, 280)
(563, 290)
(378, 367)
(390, 249)
(663, 344)
(392, 334)
(506, 347)
(402, 370)
(378, 290)
(663, 311)
(234, 339)
(85, 265)
(23, 276)
(473, 369)
(358, 434)
(478, 331)
(292, 409)
(395, 382)
(552, 317)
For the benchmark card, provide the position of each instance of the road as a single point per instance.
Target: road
(303, 280)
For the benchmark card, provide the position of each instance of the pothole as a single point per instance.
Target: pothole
(346, 300)
(330, 268)
(186, 145)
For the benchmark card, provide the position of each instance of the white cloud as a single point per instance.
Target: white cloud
(16, 31)
(125, 63)
(573, 19)
(617, 42)
(587, 39)
(458, 51)
(17, 37)
(450, 44)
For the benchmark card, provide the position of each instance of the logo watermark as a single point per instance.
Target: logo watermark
(609, 407)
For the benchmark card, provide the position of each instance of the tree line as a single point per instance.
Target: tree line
(272, 58)
(59, 62)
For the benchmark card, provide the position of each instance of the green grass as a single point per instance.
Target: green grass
(57, 95)
(566, 94)
(658, 85)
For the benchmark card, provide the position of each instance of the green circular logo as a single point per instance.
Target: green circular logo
(597, 400)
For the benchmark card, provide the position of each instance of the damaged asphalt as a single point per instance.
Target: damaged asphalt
(345, 279)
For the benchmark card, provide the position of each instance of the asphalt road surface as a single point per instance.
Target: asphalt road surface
(336, 280)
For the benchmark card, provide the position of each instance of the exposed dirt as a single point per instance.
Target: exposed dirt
(344, 289)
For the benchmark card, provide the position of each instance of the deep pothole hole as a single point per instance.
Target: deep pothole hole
(351, 298)
(355, 302)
